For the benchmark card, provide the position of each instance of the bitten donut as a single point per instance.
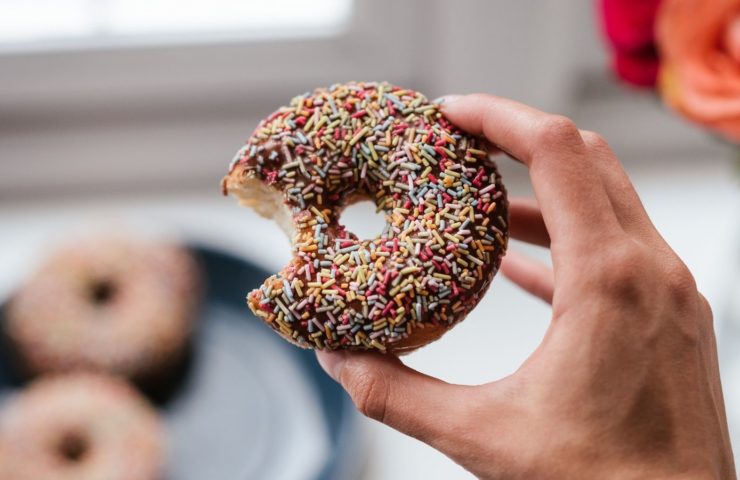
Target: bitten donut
(110, 304)
(444, 202)
(80, 426)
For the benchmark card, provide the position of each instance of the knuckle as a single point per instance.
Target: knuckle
(595, 141)
(623, 273)
(706, 306)
(369, 389)
(624, 262)
(678, 282)
(706, 316)
(634, 275)
(557, 130)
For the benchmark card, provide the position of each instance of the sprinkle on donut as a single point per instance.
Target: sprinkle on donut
(445, 207)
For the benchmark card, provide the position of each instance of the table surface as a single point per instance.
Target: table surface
(696, 207)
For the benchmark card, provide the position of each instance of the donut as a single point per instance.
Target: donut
(108, 304)
(444, 202)
(80, 426)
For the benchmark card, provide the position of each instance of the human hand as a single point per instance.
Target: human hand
(625, 383)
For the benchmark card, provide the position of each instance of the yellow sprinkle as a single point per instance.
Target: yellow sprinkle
(317, 212)
(437, 237)
(372, 151)
(309, 123)
(323, 120)
(451, 238)
(359, 135)
(378, 345)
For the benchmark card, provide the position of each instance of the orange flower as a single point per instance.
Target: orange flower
(699, 42)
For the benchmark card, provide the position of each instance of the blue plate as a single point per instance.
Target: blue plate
(248, 405)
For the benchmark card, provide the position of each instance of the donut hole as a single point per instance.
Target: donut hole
(102, 291)
(362, 219)
(73, 447)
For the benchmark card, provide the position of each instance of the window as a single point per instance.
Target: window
(174, 83)
(45, 24)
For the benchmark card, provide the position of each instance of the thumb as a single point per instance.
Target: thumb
(418, 405)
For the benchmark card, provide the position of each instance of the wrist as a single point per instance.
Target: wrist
(669, 467)
(587, 464)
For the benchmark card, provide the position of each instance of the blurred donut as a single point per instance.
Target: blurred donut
(106, 304)
(80, 426)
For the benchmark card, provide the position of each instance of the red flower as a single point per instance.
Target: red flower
(629, 26)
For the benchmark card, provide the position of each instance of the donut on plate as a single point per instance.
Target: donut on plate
(80, 426)
(443, 199)
(107, 304)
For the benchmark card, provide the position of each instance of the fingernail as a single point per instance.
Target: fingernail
(446, 99)
(331, 362)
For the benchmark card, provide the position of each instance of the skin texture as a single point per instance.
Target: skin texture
(625, 383)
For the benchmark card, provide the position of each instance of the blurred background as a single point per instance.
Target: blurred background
(130, 110)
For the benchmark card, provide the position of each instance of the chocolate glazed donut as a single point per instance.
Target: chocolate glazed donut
(443, 199)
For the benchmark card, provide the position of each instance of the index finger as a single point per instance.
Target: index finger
(568, 187)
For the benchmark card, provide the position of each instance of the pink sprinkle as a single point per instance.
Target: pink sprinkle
(271, 177)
